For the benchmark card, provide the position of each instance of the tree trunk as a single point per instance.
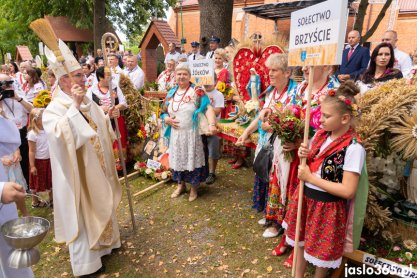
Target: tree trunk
(378, 20)
(99, 22)
(215, 20)
(360, 17)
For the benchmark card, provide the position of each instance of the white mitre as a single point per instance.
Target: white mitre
(69, 60)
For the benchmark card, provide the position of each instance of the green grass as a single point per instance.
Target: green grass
(215, 236)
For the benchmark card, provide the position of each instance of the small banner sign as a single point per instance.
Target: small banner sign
(202, 72)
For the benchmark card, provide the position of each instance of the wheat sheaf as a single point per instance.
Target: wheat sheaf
(385, 110)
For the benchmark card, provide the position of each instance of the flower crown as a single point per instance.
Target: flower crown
(352, 106)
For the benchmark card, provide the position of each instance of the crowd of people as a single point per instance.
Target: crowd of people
(335, 155)
(71, 143)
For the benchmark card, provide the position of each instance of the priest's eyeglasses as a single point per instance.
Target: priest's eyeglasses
(78, 75)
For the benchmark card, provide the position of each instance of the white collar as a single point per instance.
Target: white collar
(134, 69)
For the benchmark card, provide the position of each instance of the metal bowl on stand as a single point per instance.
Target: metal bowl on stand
(23, 234)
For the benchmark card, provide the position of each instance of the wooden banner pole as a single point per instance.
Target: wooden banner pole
(150, 187)
(303, 163)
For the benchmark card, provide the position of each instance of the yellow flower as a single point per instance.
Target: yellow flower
(278, 105)
(140, 134)
(221, 86)
(47, 100)
(155, 136)
(38, 103)
(230, 93)
(43, 93)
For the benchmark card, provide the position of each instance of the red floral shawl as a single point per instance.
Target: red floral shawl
(316, 158)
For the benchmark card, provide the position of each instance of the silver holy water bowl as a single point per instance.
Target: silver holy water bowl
(23, 234)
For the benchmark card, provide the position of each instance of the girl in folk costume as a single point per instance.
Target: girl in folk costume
(182, 107)
(334, 175)
(223, 82)
(100, 93)
(166, 80)
(33, 84)
(284, 175)
(40, 179)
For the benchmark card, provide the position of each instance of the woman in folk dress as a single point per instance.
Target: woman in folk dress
(186, 155)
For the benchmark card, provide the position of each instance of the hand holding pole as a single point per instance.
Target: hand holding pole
(107, 75)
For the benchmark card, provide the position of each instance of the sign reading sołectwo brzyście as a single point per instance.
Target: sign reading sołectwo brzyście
(202, 72)
(317, 34)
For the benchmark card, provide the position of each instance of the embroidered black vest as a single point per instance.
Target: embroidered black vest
(331, 170)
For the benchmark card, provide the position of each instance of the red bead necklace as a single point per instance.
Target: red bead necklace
(179, 101)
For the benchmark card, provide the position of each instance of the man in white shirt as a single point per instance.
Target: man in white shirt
(90, 76)
(16, 109)
(402, 59)
(114, 67)
(214, 44)
(134, 72)
(172, 54)
(195, 53)
(213, 142)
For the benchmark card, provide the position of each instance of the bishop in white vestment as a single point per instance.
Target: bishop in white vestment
(86, 186)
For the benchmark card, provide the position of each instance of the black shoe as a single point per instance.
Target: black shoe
(211, 178)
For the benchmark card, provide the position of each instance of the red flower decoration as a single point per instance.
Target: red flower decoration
(199, 91)
(296, 110)
(348, 102)
(331, 92)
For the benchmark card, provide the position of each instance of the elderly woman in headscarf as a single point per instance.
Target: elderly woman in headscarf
(185, 106)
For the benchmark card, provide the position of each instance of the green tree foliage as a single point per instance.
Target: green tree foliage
(129, 16)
